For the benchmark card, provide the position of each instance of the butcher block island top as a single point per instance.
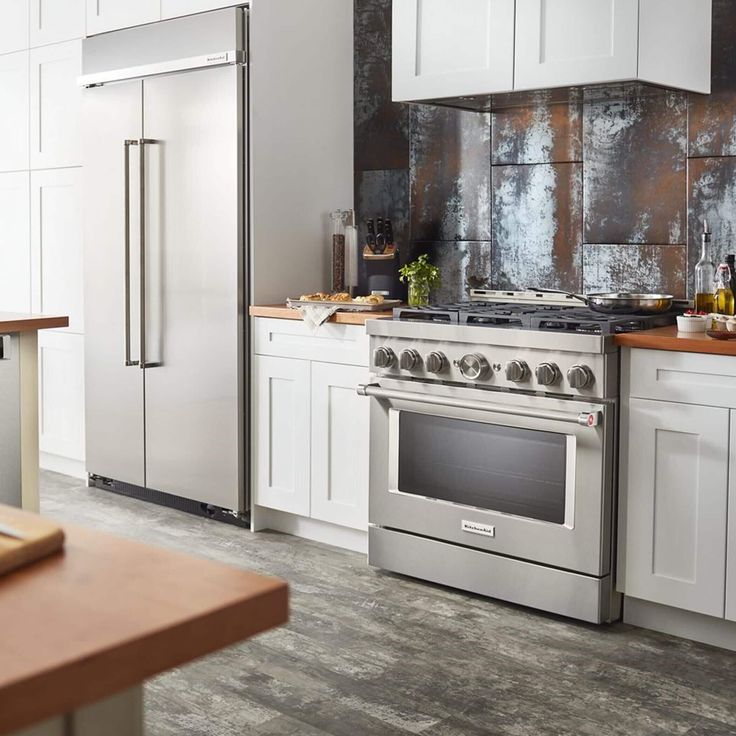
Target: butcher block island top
(21, 322)
(107, 613)
(281, 311)
(668, 338)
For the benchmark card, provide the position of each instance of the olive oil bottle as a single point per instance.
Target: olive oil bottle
(722, 294)
(705, 274)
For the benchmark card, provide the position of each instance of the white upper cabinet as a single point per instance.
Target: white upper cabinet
(175, 8)
(55, 105)
(56, 244)
(109, 15)
(567, 42)
(14, 111)
(449, 49)
(14, 25)
(53, 21)
(15, 274)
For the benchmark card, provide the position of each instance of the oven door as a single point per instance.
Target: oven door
(519, 475)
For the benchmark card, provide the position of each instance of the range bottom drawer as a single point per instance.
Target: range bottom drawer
(557, 591)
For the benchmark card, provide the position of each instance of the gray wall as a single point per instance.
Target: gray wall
(582, 196)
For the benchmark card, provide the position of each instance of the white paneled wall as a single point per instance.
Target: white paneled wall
(40, 184)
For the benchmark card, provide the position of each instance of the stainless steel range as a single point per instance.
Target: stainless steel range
(493, 446)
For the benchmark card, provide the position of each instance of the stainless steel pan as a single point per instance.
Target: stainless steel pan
(621, 302)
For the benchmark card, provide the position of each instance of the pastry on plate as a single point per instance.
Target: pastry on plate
(340, 297)
(316, 297)
(370, 299)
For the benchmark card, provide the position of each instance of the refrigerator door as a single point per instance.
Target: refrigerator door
(111, 116)
(193, 284)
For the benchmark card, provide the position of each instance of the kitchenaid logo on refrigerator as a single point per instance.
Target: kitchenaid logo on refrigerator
(474, 528)
(217, 57)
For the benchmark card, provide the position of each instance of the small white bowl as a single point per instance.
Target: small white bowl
(731, 324)
(693, 323)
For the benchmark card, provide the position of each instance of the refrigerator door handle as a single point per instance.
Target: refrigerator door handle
(126, 147)
(142, 143)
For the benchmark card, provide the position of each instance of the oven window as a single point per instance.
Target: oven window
(506, 469)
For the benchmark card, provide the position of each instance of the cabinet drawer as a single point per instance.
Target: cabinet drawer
(685, 378)
(332, 343)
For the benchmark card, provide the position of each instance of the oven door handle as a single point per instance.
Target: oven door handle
(584, 419)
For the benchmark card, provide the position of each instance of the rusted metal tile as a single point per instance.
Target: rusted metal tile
(539, 133)
(712, 196)
(381, 126)
(450, 174)
(537, 226)
(638, 268)
(635, 154)
(463, 265)
(712, 119)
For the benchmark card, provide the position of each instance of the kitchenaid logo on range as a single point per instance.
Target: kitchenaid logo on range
(474, 528)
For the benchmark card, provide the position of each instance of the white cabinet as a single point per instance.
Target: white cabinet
(311, 429)
(175, 8)
(15, 274)
(282, 434)
(731, 545)
(339, 452)
(676, 504)
(448, 49)
(13, 26)
(61, 391)
(14, 95)
(56, 244)
(569, 42)
(108, 15)
(53, 21)
(55, 105)
(444, 50)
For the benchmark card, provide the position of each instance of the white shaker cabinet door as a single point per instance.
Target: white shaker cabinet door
(14, 96)
(340, 451)
(731, 545)
(53, 21)
(569, 42)
(175, 8)
(61, 387)
(282, 438)
(452, 49)
(56, 105)
(56, 244)
(13, 25)
(15, 274)
(109, 15)
(676, 504)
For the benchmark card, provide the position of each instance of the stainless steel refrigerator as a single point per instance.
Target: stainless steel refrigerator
(165, 112)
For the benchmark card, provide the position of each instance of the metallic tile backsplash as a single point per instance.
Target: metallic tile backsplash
(608, 195)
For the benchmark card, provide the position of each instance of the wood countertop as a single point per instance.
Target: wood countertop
(107, 613)
(281, 311)
(668, 338)
(20, 322)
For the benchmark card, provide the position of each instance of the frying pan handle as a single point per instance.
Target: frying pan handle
(571, 294)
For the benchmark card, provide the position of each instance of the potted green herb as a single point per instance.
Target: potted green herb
(421, 276)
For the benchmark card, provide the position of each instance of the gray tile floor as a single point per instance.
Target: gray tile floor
(370, 653)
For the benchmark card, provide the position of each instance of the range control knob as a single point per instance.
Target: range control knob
(547, 374)
(517, 371)
(473, 366)
(580, 377)
(435, 362)
(409, 360)
(383, 357)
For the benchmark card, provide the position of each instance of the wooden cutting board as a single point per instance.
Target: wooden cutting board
(42, 538)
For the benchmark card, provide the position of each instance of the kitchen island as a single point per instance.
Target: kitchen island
(84, 628)
(19, 398)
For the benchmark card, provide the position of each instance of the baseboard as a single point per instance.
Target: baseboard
(313, 529)
(705, 629)
(63, 465)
